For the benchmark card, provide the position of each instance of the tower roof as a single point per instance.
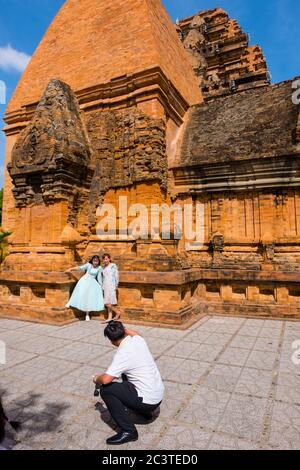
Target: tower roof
(91, 42)
(256, 124)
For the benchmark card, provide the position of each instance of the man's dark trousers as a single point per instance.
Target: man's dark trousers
(119, 397)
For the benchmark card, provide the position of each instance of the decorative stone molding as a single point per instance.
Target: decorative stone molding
(118, 93)
(51, 160)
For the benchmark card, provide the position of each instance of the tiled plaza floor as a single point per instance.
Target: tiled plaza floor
(230, 383)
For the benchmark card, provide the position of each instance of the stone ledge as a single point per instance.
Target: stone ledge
(248, 309)
(190, 275)
(164, 279)
(134, 87)
(36, 277)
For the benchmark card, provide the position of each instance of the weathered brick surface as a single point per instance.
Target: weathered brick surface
(258, 123)
(128, 148)
(52, 154)
(237, 155)
(91, 42)
(220, 54)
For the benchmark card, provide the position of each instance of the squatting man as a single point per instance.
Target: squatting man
(141, 390)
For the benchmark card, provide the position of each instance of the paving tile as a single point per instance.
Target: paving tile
(283, 436)
(168, 366)
(173, 390)
(189, 371)
(266, 344)
(243, 342)
(183, 349)
(255, 322)
(289, 379)
(261, 360)
(13, 324)
(218, 339)
(226, 370)
(60, 406)
(250, 330)
(287, 365)
(12, 338)
(148, 435)
(14, 358)
(39, 430)
(269, 333)
(207, 352)
(81, 352)
(42, 345)
(80, 330)
(254, 382)
(218, 374)
(220, 383)
(209, 398)
(160, 346)
(41, 370)
(288, 394)
(13, 393)
(227, 329)
(76, 436)
(77, 382)
(207, 418)
(165, 333)
(275, 324)
(223, 442)
(198, 324)
(234, 356)
(41, 329)
(182, 437)
(198, 336)
(247, 406)
(169, 408)
(242, 426)
(286, 413)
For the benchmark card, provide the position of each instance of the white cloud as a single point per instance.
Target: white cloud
(13, 60)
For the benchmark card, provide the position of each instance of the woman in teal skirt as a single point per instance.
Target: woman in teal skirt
(88, 294)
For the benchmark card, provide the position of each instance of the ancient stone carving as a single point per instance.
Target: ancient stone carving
(194, 39)
(198, 21)
(214, 79)
(128, 148)
(267, 251)
(51, 157)
(217, 243)
(218, 39)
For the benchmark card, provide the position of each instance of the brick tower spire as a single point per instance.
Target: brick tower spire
(91, 42)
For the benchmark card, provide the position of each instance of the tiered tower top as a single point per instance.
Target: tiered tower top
(220, 54)
(91, 42)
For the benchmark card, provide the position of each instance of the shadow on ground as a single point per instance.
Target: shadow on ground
(38, 419)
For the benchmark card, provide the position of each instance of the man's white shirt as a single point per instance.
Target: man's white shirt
(134, 359)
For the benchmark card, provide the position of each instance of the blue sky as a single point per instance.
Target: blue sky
(273, 24)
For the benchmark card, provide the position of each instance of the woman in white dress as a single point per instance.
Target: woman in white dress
(88, 294)
(110, 275)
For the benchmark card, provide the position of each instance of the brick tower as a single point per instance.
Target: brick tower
(93, 118)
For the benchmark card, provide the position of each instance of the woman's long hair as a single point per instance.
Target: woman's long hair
(95, 257)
